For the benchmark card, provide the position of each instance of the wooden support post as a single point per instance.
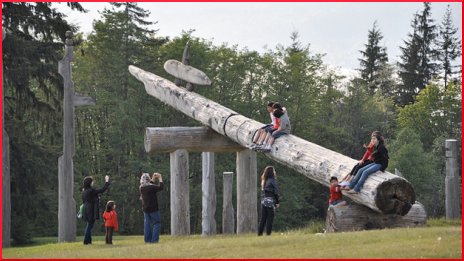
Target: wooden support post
(356, 217)
(228, 221)
(383, 192)
(452, 181)
(247, 208)
(6, 179)
(180, 199)
(193, 139)
(208, 188)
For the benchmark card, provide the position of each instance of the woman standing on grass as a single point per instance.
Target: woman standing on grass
(90, 198)
(270, 199)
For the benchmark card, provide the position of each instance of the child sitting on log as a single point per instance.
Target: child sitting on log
(284, 128)
(366, 159)
(335, 193)
(261, 134)
(380, 156)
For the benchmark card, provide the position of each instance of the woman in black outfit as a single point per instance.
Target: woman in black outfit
(90, 198)
(270, 199)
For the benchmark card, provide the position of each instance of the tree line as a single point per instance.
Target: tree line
(415, 103)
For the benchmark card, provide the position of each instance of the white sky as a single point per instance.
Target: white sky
(337, 29)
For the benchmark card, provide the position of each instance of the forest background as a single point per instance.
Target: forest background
(415, 103)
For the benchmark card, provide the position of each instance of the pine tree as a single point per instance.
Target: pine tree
(374, 58)
(427, 32)
(123, 110)
(417, 67)
(409, 65)
(448, 47)
(33, 96)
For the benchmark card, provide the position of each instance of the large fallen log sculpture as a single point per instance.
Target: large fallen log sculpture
(383, 192)
(357, 217)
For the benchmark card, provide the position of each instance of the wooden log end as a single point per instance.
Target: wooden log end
(395, 196)
(356, 217)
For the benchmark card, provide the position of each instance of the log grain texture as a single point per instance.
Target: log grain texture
(383, 192)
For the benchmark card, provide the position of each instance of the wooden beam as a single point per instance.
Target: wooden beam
(356, 217)
(383, 192)
(193, 139)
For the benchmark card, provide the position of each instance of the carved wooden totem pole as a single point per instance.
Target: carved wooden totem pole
(6, 190)
(66, 203)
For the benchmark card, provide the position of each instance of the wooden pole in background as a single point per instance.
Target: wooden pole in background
(452, 181)
(208, 188)
(6, 179)
(228, 220)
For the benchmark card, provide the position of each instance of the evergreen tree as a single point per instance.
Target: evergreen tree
(110, 141)
(33, 97)
(374, 58)
(448, 47)
(427, 32)
(408, 67)
(417, 67)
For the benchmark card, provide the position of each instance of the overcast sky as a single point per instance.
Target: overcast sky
(337, 29)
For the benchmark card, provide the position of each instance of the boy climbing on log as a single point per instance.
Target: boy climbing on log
(335, 193)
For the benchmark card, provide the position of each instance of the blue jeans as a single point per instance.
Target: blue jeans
(335, 202)
(362, 175)
(88, 233)
(151, 226)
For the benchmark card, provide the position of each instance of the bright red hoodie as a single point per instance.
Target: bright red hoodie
(111, 219)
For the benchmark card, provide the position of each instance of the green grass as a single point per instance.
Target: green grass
(426, 242)
(442, 222)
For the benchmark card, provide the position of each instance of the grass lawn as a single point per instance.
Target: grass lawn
(435, 241)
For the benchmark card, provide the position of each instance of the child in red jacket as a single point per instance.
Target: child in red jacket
(335, 193)
(111, 221)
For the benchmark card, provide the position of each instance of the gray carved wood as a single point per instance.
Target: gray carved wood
(356, 217)
(247, 208)
(193, 139)
(6, 179)
(208, 188)
(452, 181)
(66, 202)
(228, 220)
(383, 191)
(180, 199)
(186, 61)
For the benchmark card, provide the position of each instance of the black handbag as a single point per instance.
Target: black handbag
(268, 202)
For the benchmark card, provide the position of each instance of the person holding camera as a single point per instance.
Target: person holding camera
(151, 215)
(91, 200)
